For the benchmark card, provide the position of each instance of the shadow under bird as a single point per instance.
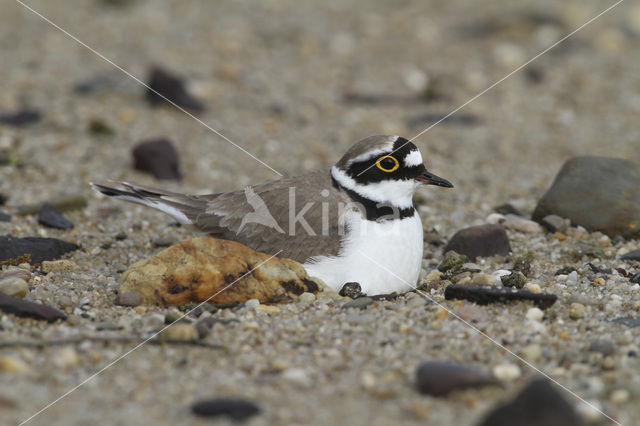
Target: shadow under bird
(353, 222)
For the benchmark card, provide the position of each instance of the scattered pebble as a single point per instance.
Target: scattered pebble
(297, 376)
(234, 408)
(555, 223)
(360, 303)
(163, 241)
(514, 279)
(58, 266)
(604, 346)
(157, 157)
(13, 365)
(473, 313)
(506, 372)
(307, 297)
(39, 249)
(172, 88)
(52, 218)
(480, 241)
(128, 299)
(534, 314)
(577, 311)
(20, 118)
(24, 308)
(15, 287)
(439, 378)
(484, 294)
(180, 331)
(631, 255)
(352, 290)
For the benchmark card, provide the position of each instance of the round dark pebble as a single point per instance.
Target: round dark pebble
(514, 279)
(352, 290)
(234, 408)
(121, 236)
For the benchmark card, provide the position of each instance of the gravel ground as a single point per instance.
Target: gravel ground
(282, 79)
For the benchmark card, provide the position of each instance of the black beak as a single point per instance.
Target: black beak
(429, 178)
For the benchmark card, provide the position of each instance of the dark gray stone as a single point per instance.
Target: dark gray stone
(480, 241)
(483, 294)
(598, 193)
(24, 308)
(439, 378)
(52, 218)
(20, 118)
(157, 157)
(5, 217)
(40, 249)
(171, 87)
(538, 404)
(632, 255)
(235, 408)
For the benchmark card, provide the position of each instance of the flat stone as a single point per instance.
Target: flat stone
(63, 204)
(157, 157)
(39, 249)
(234, 408)
(628, 321)
(597, 193)
(604, 346)
(538, 404)
(439, 378)
(24, 308)
(52, 218)
(20, 118)
(485, 294)
(480, 241)
(632, 255)
(180, 331)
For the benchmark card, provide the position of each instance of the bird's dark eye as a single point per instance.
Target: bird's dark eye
(387, 164)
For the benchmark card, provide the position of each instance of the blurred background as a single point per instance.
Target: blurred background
(296, 83)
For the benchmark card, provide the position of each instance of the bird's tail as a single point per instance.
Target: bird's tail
(183, 208)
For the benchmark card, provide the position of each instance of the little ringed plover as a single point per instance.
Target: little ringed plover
(354, 222)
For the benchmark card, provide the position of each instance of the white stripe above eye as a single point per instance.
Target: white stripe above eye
(413, 159)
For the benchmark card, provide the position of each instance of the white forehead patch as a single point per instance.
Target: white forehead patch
(413, 159)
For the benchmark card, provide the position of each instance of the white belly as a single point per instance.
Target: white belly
(383, 257)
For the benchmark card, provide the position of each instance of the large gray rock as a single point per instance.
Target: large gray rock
(598, 193)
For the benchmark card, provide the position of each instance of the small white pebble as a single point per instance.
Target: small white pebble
(506, 372)
(496, 218)
(307, 297)
(619, 396)
(252, 303)
(297, 376)
(533, 288)
(535, 314)
(572, 278)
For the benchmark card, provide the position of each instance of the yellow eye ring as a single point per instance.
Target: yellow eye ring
(392, 169)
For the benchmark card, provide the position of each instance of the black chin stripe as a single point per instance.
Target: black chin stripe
(375, 211)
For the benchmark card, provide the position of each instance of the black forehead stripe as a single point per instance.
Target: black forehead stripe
(375, 211)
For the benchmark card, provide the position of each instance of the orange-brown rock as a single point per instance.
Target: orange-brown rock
(217, 271)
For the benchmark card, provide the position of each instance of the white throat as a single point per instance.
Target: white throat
(398, 193)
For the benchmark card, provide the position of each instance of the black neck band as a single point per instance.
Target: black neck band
(375, 211)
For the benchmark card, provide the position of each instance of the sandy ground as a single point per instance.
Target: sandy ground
(274, 76)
